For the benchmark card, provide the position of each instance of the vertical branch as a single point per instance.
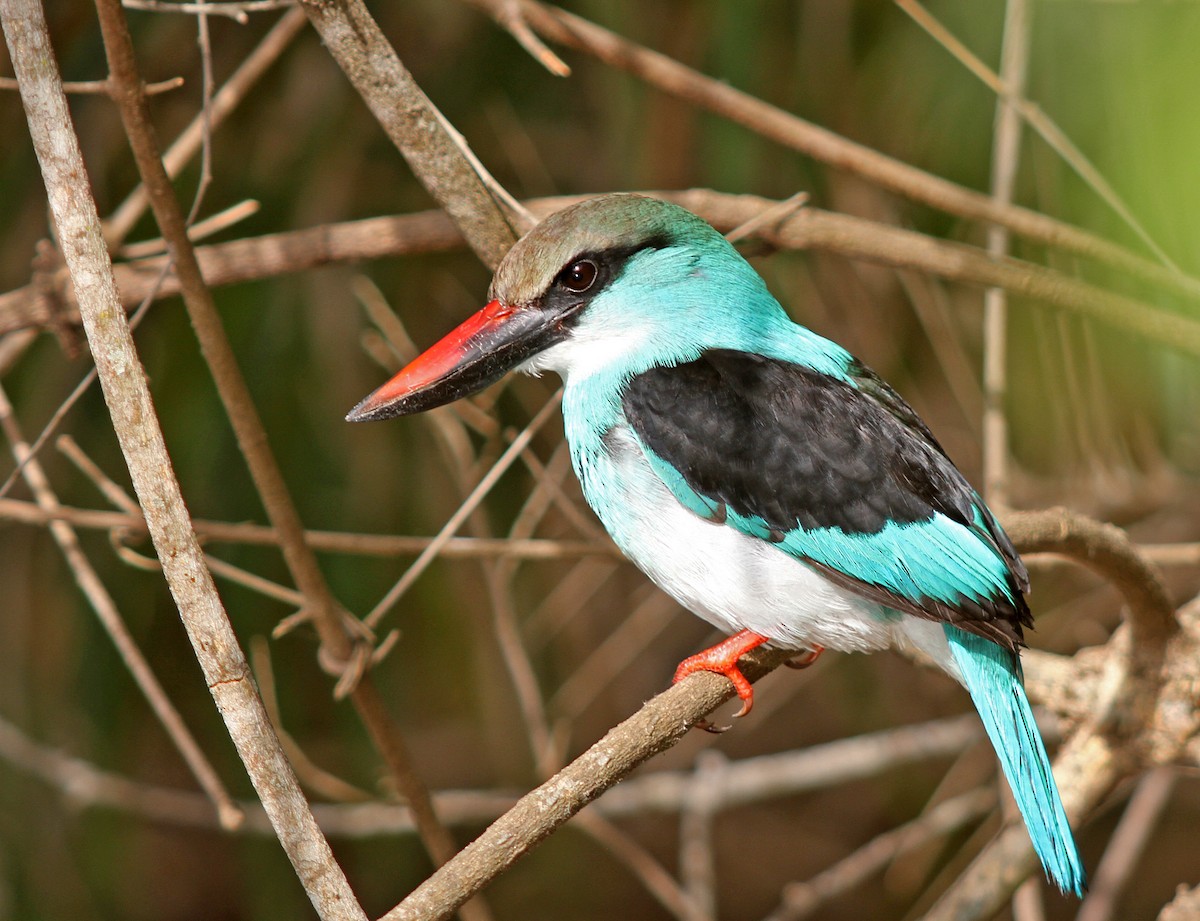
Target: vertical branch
(127, 395)
(1005, 155)
(697, 862)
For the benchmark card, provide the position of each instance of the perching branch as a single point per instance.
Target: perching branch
(658, 725)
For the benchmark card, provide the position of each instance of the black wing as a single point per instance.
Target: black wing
(799, 451)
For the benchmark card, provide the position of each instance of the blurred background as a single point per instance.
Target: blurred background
(1100, 422)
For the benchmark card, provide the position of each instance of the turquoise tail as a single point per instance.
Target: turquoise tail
(993, 678)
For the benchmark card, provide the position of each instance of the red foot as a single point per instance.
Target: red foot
(722, 659)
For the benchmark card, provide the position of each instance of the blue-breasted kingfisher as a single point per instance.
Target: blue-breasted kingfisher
(757, 472)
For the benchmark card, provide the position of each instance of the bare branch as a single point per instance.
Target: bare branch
(808, 228)
(1108, 550)
(658, 725)
(124, 384)
(332, 541)
(1006, 146)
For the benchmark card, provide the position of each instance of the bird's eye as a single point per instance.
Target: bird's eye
(579, 276)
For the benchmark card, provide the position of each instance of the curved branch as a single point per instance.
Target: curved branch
(1107, 550)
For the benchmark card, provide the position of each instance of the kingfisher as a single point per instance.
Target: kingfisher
(757, 472)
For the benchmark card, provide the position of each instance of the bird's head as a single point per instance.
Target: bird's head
(617, 283)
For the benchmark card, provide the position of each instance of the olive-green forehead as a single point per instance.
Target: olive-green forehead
(591, 227)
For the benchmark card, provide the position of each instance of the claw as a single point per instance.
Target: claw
(807, 659)
(722, 659)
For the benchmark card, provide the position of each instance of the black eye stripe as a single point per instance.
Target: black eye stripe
(588, 272)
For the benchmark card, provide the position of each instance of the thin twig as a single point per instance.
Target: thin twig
(224, 101)
(237, 11)
(100, 87)
(360, 544)
(1011, 94)
(455, 521)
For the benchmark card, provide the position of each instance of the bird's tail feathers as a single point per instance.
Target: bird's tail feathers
(993, 679)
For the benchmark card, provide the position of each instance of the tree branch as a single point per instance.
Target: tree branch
(658, 725)
(808, 228)
(123, 381)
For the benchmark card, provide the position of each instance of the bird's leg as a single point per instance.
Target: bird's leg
(722, 659)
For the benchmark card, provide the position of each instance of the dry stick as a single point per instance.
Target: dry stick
(802, 771)
(367, 544)
(236, 10)
(821, 144)
(658, 725)
(248, 430)
(100, 87)
(1006, 148)
(123, 381)
(256, 258)
(489, 218)
(110, 619)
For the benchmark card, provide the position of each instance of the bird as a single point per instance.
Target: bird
(756, 471)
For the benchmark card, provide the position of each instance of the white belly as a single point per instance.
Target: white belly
(732, 580)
